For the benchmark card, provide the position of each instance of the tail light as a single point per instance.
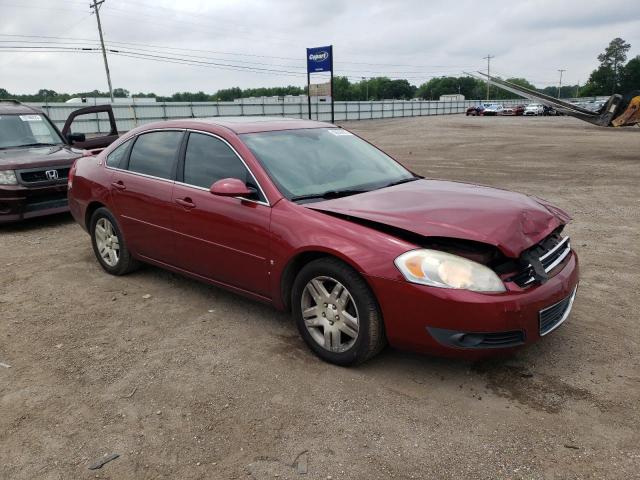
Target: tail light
(72, 172)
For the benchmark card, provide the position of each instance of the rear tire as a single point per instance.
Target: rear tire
(336, 313)
(109, 244)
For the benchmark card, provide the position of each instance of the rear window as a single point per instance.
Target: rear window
(155, 153)
(114, 159)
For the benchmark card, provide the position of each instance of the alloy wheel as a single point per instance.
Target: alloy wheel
(107, 242)
(330, 314)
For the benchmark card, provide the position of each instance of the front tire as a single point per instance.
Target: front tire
(336, 313)
(109, 244)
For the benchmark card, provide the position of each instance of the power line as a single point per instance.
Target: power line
(296, 59)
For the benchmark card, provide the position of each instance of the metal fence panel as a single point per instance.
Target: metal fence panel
(131, 115)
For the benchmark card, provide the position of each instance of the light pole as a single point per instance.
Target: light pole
(366, 83)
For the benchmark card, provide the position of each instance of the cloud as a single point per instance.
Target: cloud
(416, 39)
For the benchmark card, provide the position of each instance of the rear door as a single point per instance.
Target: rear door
(142, 192)
(225, 239)
(100, 115)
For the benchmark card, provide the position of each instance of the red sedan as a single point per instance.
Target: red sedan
(310, 218)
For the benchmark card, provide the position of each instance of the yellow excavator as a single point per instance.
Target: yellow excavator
(618, 111)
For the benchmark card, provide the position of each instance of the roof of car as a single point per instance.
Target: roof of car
(8, 107)
(245, 124)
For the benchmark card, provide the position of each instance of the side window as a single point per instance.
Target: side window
(155, 153)
(208, 159)
(114, 159)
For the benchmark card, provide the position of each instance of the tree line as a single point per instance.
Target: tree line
(613, 75)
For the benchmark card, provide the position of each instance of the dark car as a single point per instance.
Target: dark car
(310, 218)
(475, 110)
(35, 159)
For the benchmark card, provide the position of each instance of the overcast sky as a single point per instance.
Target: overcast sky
(414, 39)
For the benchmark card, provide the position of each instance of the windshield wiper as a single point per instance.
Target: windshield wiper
(38, 144)
(404, 180)
(328, 194)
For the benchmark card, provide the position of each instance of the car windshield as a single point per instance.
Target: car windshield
(323, 163)
(27, 130)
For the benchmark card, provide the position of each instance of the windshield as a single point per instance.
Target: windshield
(321, 161)
(26, 130)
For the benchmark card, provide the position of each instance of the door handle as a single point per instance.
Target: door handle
(186, 203)
(119, 185)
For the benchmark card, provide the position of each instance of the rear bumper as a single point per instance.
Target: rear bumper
(461, 323)
(19, 203)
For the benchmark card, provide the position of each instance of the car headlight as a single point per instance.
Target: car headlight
(8, 177)
(444, 270)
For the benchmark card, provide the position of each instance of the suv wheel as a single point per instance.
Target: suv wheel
(109, 245)
(336, 313)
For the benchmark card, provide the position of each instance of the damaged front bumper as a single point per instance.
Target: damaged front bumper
(468, 324)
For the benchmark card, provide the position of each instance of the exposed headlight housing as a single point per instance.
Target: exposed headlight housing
(444, 270)
(8, 177)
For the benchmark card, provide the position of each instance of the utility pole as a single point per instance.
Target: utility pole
(560, 82)
(488, 59)
(96, 7)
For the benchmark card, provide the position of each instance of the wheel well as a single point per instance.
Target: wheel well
(92, 207)
(291, 272)
(293, 268)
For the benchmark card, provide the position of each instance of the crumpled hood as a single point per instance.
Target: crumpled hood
(33, 157)
(510, 221)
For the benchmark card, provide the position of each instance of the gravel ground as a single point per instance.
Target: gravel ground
(194, 382)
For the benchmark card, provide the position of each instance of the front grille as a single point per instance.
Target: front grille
(46, 202)
(548, 254)
(40, 175)
(552, 317)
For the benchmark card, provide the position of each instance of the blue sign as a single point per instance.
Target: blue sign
(319, 59)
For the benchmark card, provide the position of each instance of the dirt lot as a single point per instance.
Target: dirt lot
(196, 383)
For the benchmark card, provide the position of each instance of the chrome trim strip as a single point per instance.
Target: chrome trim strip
(559, 260)
(564, 240)
(166, 180)
(554, 264)
(565, 315)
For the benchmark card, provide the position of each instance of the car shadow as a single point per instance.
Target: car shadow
(512, 377)
(31, 224)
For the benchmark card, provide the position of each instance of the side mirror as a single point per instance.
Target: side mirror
(76, 137)
(231, 187)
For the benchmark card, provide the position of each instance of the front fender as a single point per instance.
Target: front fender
(300, 234)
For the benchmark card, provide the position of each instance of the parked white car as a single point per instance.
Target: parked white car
(534, 109)
(493, 109)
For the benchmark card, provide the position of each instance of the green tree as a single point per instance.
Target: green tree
(120, 93)
(613, 57)
(630, 76)
(606, 79)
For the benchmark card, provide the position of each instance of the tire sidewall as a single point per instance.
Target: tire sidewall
(364, 301)
(120, 267)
